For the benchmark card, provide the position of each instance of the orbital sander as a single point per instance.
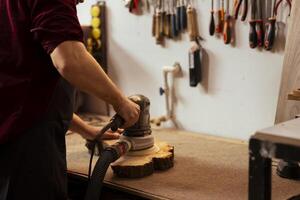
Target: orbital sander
(134, 155)
(139, 135)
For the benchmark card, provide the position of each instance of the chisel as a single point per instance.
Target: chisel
(212, 26)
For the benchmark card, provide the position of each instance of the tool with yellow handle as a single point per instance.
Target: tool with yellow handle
(192, 23)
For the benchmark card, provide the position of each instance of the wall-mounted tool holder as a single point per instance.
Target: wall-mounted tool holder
(171, 18)
(262, 26)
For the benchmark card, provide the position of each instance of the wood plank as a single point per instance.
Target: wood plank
(290, 79)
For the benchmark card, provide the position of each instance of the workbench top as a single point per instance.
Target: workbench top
(205, 168)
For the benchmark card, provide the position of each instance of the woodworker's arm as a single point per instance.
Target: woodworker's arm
(77, 66)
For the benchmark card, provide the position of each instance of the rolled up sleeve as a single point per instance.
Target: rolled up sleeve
(53, 22)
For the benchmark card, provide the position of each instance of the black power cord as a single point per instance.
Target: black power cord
(108, 156)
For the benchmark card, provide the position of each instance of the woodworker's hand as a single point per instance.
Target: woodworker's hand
(108, 135)
(129, 111)
(89, 132)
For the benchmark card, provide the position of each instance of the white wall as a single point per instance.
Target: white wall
(242, 85)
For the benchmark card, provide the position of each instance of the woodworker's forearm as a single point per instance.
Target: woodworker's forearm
(77, 66)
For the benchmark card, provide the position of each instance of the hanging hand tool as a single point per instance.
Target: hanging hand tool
(195, 63)
(134, 6)
(192, 23)
(158, 26)
(237, 7)
(259, 25)
(155, 5)
(220, 17)
(167, 21)
(271, 25)
(163, 14)
(252, 33)
(178, 14)
(212, 26)
(227, 25)
(183, 15)
(173, 24)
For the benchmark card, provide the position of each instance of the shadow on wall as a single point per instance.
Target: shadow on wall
(122, 66)
(205, 70)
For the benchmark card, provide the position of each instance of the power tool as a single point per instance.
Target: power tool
(135, 139)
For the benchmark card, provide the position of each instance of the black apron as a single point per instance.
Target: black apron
(34, 166)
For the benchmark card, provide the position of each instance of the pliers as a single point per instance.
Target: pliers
(271, 25)
(277, 4)
(237, 6)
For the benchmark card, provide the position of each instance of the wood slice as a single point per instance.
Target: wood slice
(137, 166)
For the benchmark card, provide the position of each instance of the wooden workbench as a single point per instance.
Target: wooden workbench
(206, 168)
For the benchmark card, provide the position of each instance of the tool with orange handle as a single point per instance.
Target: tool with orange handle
(212, 26)
(220, 16)
(227, 25)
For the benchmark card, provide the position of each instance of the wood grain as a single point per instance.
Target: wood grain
(206, 167)
(290, 79)
(132, 166)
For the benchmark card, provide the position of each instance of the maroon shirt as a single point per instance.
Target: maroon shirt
(30, 31)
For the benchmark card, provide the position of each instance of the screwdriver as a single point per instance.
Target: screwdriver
(252, 33)
(270, 30)
(220, 17)
(183, 16)
(259, 26)
(212, 27)
(227, 25)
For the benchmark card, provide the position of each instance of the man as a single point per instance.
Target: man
(41, 56)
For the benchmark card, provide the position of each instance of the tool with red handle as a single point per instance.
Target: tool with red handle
(220, 16)
(260, 25)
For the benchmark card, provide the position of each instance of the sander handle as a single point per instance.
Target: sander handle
(116, 122)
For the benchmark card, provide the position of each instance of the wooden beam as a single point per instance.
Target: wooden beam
(288, 109)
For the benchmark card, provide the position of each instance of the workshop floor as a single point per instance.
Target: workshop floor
(206, 168)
